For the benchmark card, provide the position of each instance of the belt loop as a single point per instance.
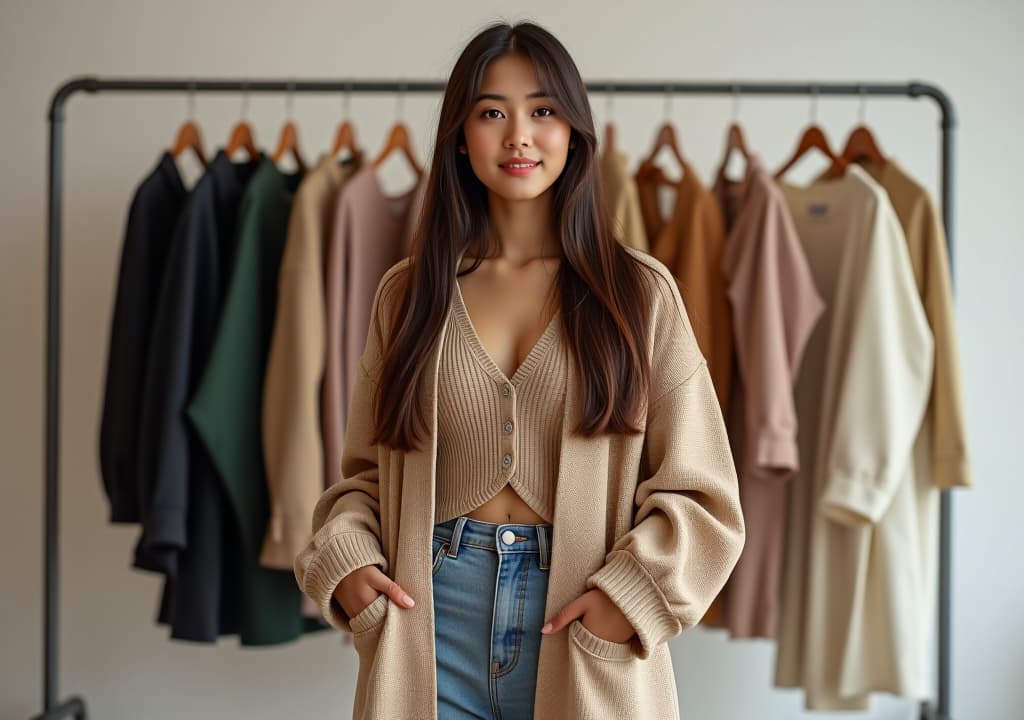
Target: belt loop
(544, 541)
(453, 550)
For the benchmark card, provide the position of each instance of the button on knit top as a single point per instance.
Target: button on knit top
(495, 430)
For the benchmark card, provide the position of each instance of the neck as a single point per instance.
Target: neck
(523, 228)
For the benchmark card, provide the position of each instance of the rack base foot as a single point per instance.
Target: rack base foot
(72, 708)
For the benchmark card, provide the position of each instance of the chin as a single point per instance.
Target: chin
(509, 191)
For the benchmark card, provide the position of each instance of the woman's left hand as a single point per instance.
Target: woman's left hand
(599, 615)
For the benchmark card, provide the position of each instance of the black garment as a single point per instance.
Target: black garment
(187, 533)
(155, 207)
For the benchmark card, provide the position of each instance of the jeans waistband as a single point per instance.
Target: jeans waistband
(502, 538)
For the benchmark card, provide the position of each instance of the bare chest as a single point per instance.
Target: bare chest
(509, 314)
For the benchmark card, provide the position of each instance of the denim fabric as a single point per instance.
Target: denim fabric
(490, 586)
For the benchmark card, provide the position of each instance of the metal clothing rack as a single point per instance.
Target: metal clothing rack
(75, 706)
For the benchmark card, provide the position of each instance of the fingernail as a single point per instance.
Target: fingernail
(546, 629)
(409, 602)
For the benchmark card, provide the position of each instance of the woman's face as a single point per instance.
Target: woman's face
(514, 118)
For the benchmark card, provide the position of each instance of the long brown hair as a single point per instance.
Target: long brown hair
(601, 287)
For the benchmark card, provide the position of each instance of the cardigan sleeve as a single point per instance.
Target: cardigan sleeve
(346, 519)
(688, 529)
(885, 379)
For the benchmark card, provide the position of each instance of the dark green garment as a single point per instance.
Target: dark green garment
(226, 407)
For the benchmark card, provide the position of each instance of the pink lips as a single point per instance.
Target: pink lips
(528, 166)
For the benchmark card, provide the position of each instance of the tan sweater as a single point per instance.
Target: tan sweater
(652, 519)
(622, 199)
(292, 443)
(494, 430)
(926, 240)
(691, 243)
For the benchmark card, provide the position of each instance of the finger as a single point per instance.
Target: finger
(565, 616)
(392, 589)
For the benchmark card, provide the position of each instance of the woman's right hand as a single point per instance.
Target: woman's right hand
(363, 585)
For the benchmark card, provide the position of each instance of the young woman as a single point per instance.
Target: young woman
(537, 490)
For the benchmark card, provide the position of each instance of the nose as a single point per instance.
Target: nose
(517, 135)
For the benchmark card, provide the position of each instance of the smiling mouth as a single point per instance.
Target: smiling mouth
(519, 165)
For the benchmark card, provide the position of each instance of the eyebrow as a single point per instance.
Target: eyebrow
(502, 98)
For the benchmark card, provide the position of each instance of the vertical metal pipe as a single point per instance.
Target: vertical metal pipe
(52, 419)
(946, 501)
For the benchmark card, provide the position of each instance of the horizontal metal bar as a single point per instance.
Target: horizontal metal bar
(617, 87)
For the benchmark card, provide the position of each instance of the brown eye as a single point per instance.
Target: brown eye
(490, 110)
(548, 110)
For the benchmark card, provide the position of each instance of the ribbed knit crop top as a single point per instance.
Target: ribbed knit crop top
(495, 430)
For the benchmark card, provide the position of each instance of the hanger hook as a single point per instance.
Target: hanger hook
(245, 100)
(862, 111)
(289, 100)
(346, 100)
(400, 101)
(192, 100)
(609, 95)
(668, 102)
(814, 104)
(735, 103)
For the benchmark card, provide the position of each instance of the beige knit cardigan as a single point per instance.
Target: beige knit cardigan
(652, 519)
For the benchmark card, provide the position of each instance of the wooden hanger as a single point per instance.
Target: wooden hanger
(241, 134)
(241, 137)
(344, 139)
(288, 142)
(734, 140)
(188, 137)
(399, 139)
(812, 138)
(666, 138)
(860, 146)
(345, 135)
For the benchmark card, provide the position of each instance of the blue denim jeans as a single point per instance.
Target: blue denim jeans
(490, 587)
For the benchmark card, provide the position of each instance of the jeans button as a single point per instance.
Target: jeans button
(508, 537)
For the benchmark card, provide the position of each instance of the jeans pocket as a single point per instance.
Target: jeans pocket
(440, 552)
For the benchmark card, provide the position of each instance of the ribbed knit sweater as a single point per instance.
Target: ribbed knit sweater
(494, 430)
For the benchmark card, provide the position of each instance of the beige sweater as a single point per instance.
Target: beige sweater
(651, 519)
(292, 443)
(622, 199)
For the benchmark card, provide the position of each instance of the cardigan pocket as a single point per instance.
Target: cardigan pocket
(369, 618)
(590, 643)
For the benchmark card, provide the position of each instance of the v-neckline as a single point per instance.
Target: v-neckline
(522, 373)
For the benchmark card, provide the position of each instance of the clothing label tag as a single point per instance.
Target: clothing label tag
(817, 210)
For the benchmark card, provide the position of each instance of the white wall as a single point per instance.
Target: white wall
(111, 650)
